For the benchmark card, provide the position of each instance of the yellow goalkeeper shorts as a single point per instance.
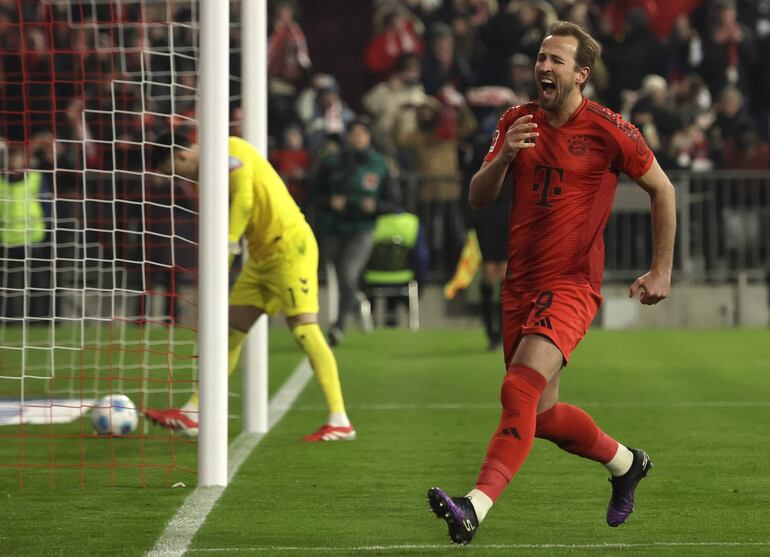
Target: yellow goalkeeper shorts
(286, 280)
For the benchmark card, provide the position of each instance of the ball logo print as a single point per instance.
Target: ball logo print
(114, 415)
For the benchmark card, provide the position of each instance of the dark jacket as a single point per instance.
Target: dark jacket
(357, 176)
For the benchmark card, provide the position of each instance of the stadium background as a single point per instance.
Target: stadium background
(692, 75)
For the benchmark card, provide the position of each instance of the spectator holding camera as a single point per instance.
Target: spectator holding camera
(385, 100)
(435, 144)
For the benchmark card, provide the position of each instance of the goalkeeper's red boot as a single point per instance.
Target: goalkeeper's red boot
(329, 432)
(174, 419)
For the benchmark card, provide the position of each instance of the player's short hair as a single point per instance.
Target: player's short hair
(588, 50)
(161, 149)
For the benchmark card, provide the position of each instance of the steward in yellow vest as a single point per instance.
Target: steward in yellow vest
(26, 266)
(22, 218)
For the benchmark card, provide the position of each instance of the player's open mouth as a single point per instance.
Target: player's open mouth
(548, 87)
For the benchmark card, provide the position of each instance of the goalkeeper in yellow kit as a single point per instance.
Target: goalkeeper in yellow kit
(280, 273)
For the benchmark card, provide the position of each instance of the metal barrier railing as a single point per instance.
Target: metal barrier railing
(723, 226)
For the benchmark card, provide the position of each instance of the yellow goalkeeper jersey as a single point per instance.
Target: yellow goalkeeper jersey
(260, 204)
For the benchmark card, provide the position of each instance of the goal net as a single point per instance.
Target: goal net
(99, 254)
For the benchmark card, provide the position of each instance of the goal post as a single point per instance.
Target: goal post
(213, 175)
(114, 298)
(254, 90)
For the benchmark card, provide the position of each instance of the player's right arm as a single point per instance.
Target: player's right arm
(241, 201)
(509, 139)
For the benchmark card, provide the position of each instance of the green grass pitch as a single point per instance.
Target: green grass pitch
(424, 405)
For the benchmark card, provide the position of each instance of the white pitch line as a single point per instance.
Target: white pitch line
(181, 529)
(479, 547)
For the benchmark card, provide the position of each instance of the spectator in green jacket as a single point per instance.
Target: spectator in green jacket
(352, 187)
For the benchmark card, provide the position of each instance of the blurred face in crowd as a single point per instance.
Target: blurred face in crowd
(359, 137)
(328, 99)
(578, 13)
(284, 13)
(528, 14)
(727, 15)
(16, 160)
(683, 26)
(443, 49)
(556, 72)
(292, 138)
(411, 73)
(521, 74)
(460, 26)
(732, 101)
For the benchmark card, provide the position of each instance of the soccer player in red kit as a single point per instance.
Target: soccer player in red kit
(564, 153)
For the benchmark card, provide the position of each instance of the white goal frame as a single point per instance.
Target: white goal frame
(213, 314)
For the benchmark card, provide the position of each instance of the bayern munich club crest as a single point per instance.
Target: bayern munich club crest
(579, 145)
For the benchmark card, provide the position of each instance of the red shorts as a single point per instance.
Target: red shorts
(562, 312)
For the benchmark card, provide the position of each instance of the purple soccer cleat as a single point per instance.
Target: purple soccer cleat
(623, 487)
(458, 513)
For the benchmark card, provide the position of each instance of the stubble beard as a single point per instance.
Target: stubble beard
(563, 92)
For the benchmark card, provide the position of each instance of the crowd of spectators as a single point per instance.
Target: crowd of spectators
(693, 75)
(82, 85)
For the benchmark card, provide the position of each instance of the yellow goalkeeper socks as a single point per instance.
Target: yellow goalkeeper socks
(235, 339)
(312, 341)
(192, 402)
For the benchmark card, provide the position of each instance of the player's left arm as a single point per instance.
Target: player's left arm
(655, 285)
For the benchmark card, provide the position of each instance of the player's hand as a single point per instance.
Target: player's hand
(653, 287)
(521, 135)
(338, 202)
(368, 205)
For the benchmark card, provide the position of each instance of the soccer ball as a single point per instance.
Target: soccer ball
(114, 415)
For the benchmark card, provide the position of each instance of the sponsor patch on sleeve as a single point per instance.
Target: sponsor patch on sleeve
(494, 140)
(234, 163)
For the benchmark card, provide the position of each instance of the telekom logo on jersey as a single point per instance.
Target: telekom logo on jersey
(549, 181)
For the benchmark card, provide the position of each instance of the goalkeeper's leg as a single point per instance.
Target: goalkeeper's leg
(185, 419)
(308, 335)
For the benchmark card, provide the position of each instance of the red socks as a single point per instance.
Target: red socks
(513, 439)
(567, 426)
(576, 432)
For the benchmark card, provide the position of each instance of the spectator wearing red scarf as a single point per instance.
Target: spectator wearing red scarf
(398, 35)
(287, 54)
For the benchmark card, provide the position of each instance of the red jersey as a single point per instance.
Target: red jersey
(563, 191)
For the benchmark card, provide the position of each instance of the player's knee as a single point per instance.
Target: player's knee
(242, 318)
(295, 321)
(521, 381)
(308, 335)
